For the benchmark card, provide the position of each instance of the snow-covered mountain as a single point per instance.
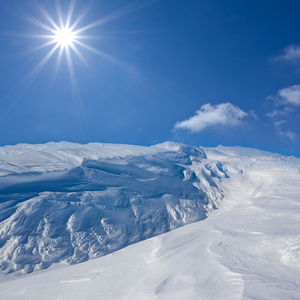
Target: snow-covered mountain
(67, 203)
(63, 203)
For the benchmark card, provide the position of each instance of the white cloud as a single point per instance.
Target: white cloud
(224, 114)
(290, 95)
(289, 134)
(280, 113)
(281, 119)
(253, 115)
(280, 123)
(290, 54)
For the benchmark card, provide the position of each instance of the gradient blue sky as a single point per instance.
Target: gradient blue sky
(201, 72)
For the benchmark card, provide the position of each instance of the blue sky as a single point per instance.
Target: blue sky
(198, 72)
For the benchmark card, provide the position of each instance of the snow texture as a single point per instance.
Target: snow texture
(248, 248)
(68, 203)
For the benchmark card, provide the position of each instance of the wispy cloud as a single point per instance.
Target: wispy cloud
(290, 54)
(280, 123)
(280, 112)
(281, 120)
(286, 101)
(291, 135)
(290, 95)
(224, 114)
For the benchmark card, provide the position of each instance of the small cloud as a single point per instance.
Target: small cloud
(290, 95)
(280, 123)
(224, 114)
(274, 113)
(280, 112)
(289, 134)
(282, 117)
(290, 54)
(253, 115)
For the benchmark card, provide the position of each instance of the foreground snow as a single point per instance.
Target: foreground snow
(67, 203)
(249, 248)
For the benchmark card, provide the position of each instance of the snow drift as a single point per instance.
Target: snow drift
(86, 200)
(68, 203)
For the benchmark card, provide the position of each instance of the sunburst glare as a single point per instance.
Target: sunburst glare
(64, 37)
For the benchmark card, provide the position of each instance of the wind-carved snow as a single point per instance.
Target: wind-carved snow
(68, 203)
(248, 248)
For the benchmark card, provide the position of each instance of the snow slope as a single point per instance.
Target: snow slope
(249, 248)
(67, 203)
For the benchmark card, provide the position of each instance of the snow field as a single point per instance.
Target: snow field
(249, 248)
(85, 201)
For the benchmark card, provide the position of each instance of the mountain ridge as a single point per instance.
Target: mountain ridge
(67, 203)
(247, 246)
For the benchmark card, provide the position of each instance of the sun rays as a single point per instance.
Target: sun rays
(63, 35)
(60, 34)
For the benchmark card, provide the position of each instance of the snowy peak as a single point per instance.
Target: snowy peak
(27, 158)
(67, 203)
(64, 203)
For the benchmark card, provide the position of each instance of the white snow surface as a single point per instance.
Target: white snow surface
(63, 203)
(67, 203)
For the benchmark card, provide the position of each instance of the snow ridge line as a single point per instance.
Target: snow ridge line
(102, 205)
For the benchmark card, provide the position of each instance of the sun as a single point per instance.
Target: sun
(64, 37)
